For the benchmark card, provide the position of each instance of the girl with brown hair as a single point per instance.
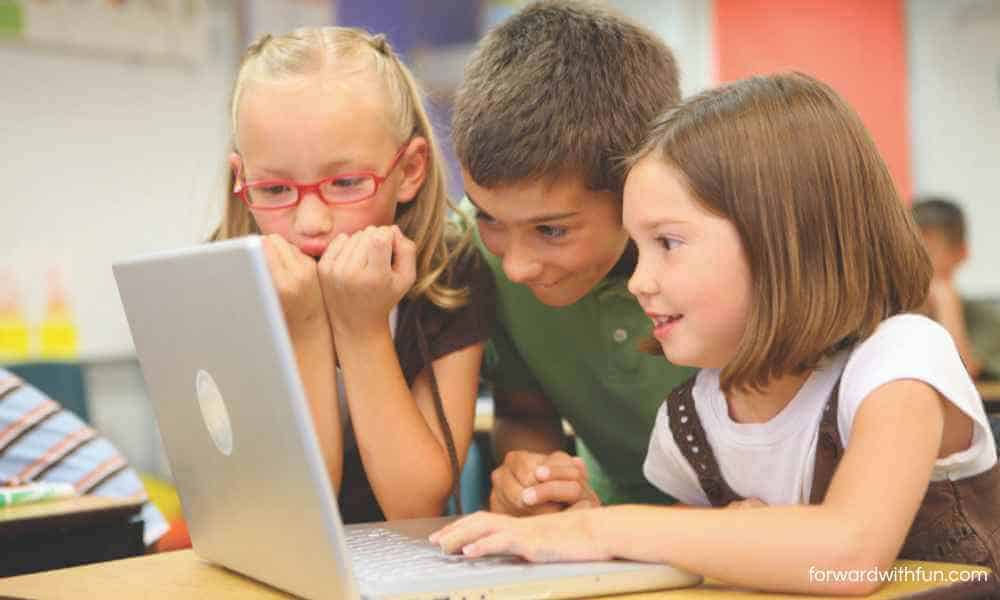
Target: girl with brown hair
(776, 256)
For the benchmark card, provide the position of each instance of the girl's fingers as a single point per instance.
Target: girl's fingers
(405, 253)
(274, 252)
(434, 537)
(334, 250)
(496, 543)
(447, 536)
(271, 257)
(454, 537)
(281, 262)
(337, 246)
(355, 255)
(379, 250)
(340, 262)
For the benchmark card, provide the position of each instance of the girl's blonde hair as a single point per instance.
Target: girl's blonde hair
(424, 220)
(832, 250)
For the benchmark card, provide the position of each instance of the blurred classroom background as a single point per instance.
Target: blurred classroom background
(115, 129)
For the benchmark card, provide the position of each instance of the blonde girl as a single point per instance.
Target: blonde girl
(775, 254)
(335, 163)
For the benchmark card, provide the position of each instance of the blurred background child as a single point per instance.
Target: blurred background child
(942, 226)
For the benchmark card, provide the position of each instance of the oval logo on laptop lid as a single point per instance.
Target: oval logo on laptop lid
(213, 412)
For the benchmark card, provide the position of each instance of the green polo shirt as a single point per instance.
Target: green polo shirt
(584, 359)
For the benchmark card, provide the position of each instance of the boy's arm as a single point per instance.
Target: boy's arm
(526, 430)
(535, 475)
(525, 421)
(524, 418)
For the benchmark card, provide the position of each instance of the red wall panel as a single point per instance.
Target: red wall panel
(856, 46)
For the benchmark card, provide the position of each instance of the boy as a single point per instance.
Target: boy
(551, 100)
(943, 227)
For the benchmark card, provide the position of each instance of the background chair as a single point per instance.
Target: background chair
(61, 381)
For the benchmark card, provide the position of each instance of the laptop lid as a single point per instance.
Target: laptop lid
(219, 368)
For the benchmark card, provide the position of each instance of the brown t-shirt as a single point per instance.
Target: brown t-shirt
(446, 331)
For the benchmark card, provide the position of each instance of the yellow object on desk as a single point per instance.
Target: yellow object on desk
(183, 575)
(57, 332)
(14, 338)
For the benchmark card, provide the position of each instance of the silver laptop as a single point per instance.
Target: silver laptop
(219, 367)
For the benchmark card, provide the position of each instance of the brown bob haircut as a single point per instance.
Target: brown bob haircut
(561, 88)
(832, 250)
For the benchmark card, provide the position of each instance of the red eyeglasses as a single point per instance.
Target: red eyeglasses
(277, 194)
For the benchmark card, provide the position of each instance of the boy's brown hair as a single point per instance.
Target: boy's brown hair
(832, 250)
(561, 88)
(937, 213)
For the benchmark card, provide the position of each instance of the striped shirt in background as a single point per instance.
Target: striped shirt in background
(39, 441)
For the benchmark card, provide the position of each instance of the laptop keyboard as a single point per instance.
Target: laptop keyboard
(381, 555)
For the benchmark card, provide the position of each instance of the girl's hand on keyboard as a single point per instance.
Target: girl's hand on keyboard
(565, 536)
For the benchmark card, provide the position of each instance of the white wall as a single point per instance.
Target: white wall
(954, 68)
(103, 158)
(106, 154)
(687, 26)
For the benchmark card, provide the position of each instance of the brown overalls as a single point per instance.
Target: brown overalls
(958, 521)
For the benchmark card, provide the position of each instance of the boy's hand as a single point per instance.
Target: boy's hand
(365, 275)
(548, 538)
(297, 283)
(529, 483)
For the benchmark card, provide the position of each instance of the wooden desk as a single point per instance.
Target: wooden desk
(174, 575)
(72, 531)
(990, 391)
(15, 519)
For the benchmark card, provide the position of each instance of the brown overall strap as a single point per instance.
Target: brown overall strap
(829, 449)
(689, 435)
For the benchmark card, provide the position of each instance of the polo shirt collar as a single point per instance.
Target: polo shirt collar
(626, 264)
